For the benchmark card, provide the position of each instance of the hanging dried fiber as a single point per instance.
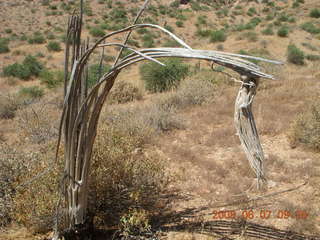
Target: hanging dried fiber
(246, 127)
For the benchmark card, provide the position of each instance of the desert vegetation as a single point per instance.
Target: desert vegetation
(166, 153)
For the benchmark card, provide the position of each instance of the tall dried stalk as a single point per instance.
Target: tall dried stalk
(82, 107)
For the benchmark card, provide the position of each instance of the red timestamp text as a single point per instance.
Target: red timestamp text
(262, 214)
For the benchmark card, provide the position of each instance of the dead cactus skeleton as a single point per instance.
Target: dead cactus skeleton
(82, 106)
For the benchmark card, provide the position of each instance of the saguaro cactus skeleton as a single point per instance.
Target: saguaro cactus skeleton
(82, 106)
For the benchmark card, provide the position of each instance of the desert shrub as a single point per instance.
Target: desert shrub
(135, 223)
(218, 36)
(37, 124)
(124, 178)
(28, 68)
(97, 32)
(169, 28)
(12, 166)
(251, 11)
(295, 55)
(315, 13)
(34, 205)
(54, 46)
(251, 36)
(36, 38)
(51, 79)
(4, 48)
(309, 46)
(306, 128)
(17, 70)
(310, 28)
(313, 57)
(203, 32)
(196, 90)
(179, 23)
(123, 92)
(8, 107)
(267, 31)
(148, 41)
(171, 43)
(162, 78)
(31, 92)
(283, 31)
(95, 72)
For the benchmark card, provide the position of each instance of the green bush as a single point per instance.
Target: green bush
(312, 57)
(218, 36)
(33, 65)
(31, 92)
(267, 31)
(29, 67)
(51, 79)
(37, 38)
(310, 28)
(97, 32)
(295, 55)
(4, 48)
(162, 78)
(179, 23)
(283, 31)
(148, 41)
(95, 72)
(251, 11)
(54, 46)
(17, 70)
(315, 13)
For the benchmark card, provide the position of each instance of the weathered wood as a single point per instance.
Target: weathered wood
(246, 127)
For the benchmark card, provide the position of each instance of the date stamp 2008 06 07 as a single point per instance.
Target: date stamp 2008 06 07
(262, 214)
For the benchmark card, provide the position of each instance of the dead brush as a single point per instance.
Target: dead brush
(124, 92)
(36, 123)
(122, 180)
(8, 107)
(305, 129)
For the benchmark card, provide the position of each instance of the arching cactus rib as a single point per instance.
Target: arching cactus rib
(246, 127)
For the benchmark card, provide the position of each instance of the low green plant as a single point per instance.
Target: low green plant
(310, 28)
(28, 68)
(315, 13)
(179, 23)
(97, 32)
(95, 72)
(313, 57)
(283, 31)
(295, 55)
(267, 31)
(54, 46)
(33, 92)
(36, 38)
(51, 79)
(218, 36)
(162, 78)
(4, 48)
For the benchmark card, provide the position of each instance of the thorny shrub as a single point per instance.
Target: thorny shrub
(12, 165)
(123, 92)
(35, 201)
(306, 128)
